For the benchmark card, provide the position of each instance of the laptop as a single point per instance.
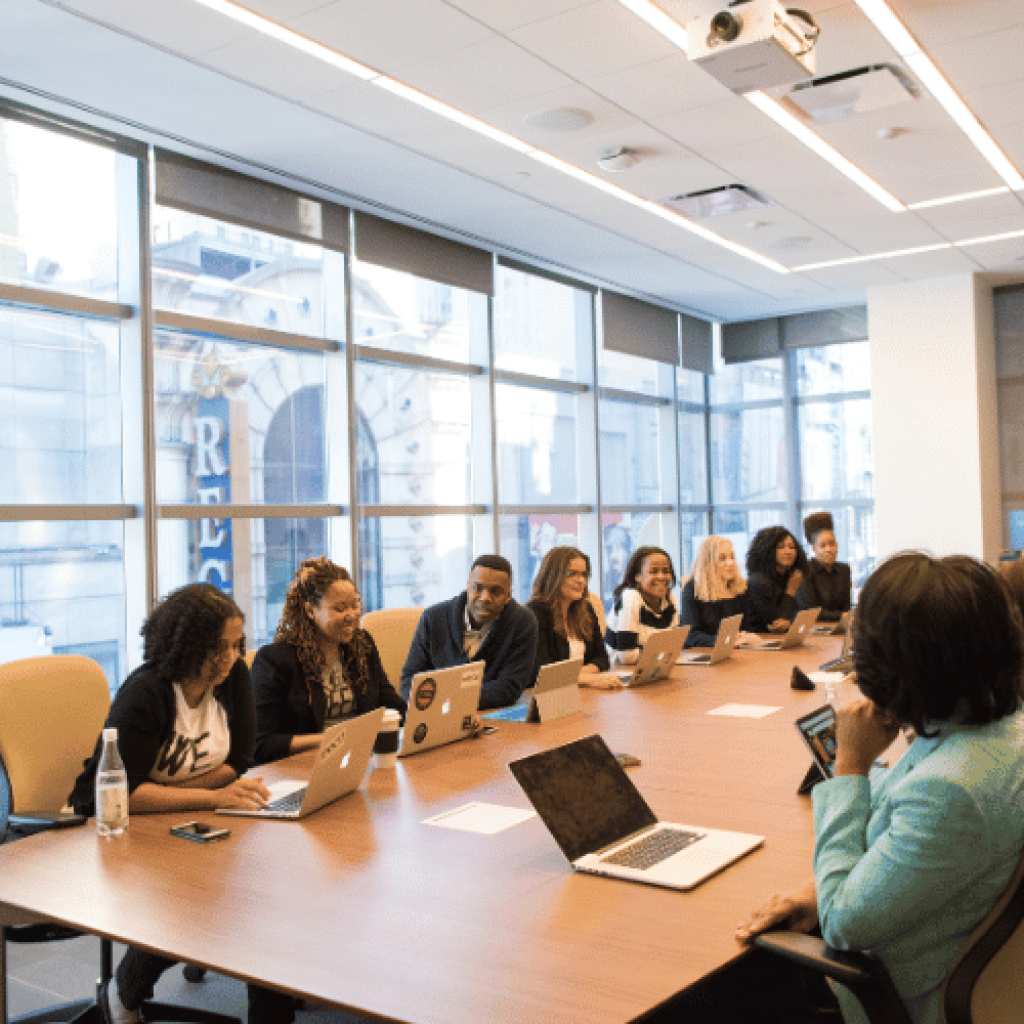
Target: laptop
(798, 632)
(657, 657)
(728, 631)
(555, 695)
(844, 663)
(442, 707)
(604, 827)
(818, 730)
(341, 761)
(833, 628)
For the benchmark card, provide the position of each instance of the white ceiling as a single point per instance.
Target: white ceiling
(176, 73)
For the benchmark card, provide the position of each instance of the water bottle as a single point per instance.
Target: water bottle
(111, 789)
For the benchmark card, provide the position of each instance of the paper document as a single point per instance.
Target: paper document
(488, 819)
(744, 710)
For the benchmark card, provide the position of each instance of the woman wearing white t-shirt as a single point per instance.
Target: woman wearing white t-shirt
(185, 730)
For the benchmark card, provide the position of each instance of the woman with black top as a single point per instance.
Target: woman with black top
(828, 585)
(776, 566)
(321, 669)
(715, 591)
(567, 625)
(642, 604)
(184, 723)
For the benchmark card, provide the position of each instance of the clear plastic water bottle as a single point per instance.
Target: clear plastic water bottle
(111, 789)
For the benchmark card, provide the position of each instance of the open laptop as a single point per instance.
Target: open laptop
(797, 633)
(844, 663)
(604, 827)
(555, 695)
(818, 729)
(657, 657)
(442, 706)
(728, 631)
(340, 765)
(833, 628)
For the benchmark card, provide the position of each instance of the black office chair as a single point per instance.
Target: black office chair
(985, 985)
(51, 711)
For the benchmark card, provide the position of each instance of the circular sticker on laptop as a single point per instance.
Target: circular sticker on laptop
(421, 733)
(425, 694)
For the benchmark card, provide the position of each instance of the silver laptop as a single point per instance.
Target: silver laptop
(797, 633)
(442, 706)
(728, 631)
(340, 765)
(604, 827)
(833, 628)
(555, 695)
(844, 663)
(657, 658)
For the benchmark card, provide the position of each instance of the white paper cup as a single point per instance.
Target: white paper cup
(386, 748)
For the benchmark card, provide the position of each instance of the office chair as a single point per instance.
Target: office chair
(392, 630)
(52, 709)
(985, 984)
(595, 603)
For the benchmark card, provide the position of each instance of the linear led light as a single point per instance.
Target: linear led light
(962, 198)
(874, 256)
(659, 21)
(921, 64)
(1005, 236)
(802, 133)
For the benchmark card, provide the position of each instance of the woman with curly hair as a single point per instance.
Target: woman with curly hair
(321, 669)
(642, 603)
(776, 566)
(184, 721)
(714, 591)
(567, 625)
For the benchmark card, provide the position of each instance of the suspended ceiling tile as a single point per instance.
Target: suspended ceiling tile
(935, 23)
(983, 60)
(707, 129)
(503, 16)
(854, 275)
(975, 217)
(942, 263)
(1007, 255)
(509, 116)
(996, 106)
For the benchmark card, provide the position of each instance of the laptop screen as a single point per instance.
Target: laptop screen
(583, 796)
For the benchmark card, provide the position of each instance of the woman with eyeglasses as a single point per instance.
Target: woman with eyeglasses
(321, 669)
(567, 625)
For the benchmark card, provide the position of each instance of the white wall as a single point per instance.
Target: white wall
(936, 437)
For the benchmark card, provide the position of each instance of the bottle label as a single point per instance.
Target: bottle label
(112, 804)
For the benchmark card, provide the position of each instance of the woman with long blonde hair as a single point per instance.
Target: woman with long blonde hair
(321, 669)
(714, 591)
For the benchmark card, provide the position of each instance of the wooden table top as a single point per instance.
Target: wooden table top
(364, 906)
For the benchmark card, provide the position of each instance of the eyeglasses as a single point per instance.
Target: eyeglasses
(575, 574)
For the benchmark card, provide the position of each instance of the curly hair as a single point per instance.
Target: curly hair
(706, 584)
(547, 590)
(306, 591)
(185, 628)
(761, 553)
(936, 639)
(635, 566)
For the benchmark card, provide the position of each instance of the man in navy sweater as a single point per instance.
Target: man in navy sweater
(482, 624)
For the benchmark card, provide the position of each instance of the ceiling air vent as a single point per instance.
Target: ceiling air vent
(849, 93)
(716, 202)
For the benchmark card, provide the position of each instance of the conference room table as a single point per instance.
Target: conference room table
(365, 907)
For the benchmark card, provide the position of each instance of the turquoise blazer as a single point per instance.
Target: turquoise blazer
(908, 871)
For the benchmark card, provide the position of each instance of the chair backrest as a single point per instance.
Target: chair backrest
(52, 710)
(392, 630)
(985, 985)
(595, 603)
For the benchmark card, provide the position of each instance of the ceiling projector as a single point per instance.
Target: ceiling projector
(754, 44)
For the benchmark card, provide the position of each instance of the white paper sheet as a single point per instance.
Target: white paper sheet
(487, 819)
(744, 710)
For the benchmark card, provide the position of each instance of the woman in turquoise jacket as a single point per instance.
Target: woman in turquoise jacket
(907, 870)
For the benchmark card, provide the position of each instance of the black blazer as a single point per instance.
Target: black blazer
(283, 705)
(552, 646)
(829, 591)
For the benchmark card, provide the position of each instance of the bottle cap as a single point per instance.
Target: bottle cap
(109, 734)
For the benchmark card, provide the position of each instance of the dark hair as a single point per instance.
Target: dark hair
(547, 589)
(308, 587)
(185, 628)
(636, 564)
(937, 639)
(761, 553)
(495, 562)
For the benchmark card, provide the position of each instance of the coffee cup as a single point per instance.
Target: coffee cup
(386, 748)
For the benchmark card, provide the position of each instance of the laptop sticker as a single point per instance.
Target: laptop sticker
(421, 733)
(425, 694)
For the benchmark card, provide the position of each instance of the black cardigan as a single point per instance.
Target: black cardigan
(283, 705)
(768, 600)
(552, 646)
(704, 617)
(829, 591)
(143, 714)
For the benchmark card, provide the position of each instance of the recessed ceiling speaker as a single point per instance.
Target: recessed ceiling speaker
(559, 119)
(619, 159)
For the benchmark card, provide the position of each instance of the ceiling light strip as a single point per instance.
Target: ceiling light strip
(803, 134)
(962, 198)
(921, 64)
(848, 261)
(659, 21)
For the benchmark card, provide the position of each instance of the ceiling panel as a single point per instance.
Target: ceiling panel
(935, 22)
(983, 60)
(730, 122)
(1000, 256)
(943, 263)
(503, 16)
(856, 275)
(975, 217)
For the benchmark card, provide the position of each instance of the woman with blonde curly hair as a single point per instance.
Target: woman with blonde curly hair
(714, 591)
(321, 669)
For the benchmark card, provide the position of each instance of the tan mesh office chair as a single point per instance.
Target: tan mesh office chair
(985, 985)
(392, 630)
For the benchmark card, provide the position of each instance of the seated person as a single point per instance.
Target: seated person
(567, 625)
(484, 623)
(776, 566)
(320, 669)
(908, 869)
(185, 727)
(828, 585)
(715, 591)
(642, 604)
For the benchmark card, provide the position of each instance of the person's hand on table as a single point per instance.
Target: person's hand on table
(863, 732)
(244, 794)
(780, 626)
(748, 638)
(794, 581)
(589, 670)
(796, 910)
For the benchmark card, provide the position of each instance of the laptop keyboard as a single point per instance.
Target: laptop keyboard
(289, 803)
(652, 849)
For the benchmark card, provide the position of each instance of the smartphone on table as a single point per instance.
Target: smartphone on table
(199, 832)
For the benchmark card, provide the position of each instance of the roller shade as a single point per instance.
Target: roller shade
(695, 338)
(639, 329)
